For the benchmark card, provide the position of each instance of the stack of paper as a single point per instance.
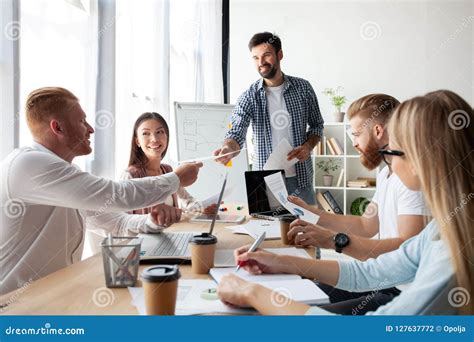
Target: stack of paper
(190, 299)
(289, 285)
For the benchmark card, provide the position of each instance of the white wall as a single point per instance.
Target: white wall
(417, 46)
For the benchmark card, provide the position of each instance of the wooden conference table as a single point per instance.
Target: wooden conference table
(76, 289)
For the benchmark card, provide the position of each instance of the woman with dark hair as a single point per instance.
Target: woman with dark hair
(148, 148)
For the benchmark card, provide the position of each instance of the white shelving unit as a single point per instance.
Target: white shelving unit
(350, 162)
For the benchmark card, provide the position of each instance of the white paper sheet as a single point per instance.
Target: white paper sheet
(278, 158)
(277, 186)
(225, 257)
(209, 157)
(189, 300)
(289, 285)
(256, 227)
(218, 273)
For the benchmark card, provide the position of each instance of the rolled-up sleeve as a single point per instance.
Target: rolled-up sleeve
(387, 270)
(315, 119)
(240, 120)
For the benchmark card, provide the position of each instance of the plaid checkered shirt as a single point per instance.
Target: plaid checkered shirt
(305, 120)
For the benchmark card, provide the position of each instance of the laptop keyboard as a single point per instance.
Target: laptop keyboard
(172, 244)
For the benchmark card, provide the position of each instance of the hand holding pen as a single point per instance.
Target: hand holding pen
(252, 248)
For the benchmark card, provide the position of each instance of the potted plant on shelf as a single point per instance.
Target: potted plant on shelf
(329, 165)
(337, 100)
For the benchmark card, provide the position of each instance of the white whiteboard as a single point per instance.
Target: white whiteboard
(200, 129)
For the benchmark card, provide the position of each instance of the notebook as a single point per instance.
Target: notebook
(288, 285)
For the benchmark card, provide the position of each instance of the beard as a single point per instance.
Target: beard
(371, 158)
(270, 73)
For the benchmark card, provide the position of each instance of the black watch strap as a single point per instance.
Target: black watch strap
(341, 241)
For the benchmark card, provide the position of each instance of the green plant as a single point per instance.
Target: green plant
(359, 205)
(329, 165)
(337, 100)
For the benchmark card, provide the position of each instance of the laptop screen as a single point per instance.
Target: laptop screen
(221, 194)
(260, 200)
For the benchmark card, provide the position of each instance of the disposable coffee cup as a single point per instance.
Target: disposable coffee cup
(285, 228)
(203, 249)
(160, 284)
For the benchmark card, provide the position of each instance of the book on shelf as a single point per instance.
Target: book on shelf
(357, 184)
(372, 181)
(329, 147)
(318, 149)
(341, 177)
(323, 203)
(361, 182)
(328, 203)
(336, 146)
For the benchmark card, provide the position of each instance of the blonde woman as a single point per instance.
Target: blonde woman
(430, 150)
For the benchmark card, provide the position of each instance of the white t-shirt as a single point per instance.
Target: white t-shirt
(393, 198)
(279, 119)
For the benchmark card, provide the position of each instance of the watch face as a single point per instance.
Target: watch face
(341, 240)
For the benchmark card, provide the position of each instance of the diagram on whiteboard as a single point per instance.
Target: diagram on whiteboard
(200, 130)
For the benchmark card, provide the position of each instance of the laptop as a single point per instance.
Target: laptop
(172, 246)
(260, 200)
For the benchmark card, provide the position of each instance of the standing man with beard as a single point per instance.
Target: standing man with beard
(279, 107)
(395, 213)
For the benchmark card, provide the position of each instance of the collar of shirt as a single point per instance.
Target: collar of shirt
(286, 81)
(37, 146)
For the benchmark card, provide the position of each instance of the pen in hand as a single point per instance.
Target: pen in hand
(252, 248)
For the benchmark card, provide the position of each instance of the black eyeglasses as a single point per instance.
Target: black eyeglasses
(388, 154)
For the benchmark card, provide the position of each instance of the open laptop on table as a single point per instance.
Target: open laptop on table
(260, 199)
(172, 246)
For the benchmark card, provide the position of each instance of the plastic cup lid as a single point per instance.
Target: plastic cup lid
(203, 239)
(161, 273)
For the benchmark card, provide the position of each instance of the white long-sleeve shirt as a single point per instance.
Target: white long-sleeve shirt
(424, 259)
(45, 202)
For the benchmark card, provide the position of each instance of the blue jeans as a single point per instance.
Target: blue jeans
(306, 194)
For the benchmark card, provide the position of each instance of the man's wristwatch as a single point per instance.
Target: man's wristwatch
(341, 240)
